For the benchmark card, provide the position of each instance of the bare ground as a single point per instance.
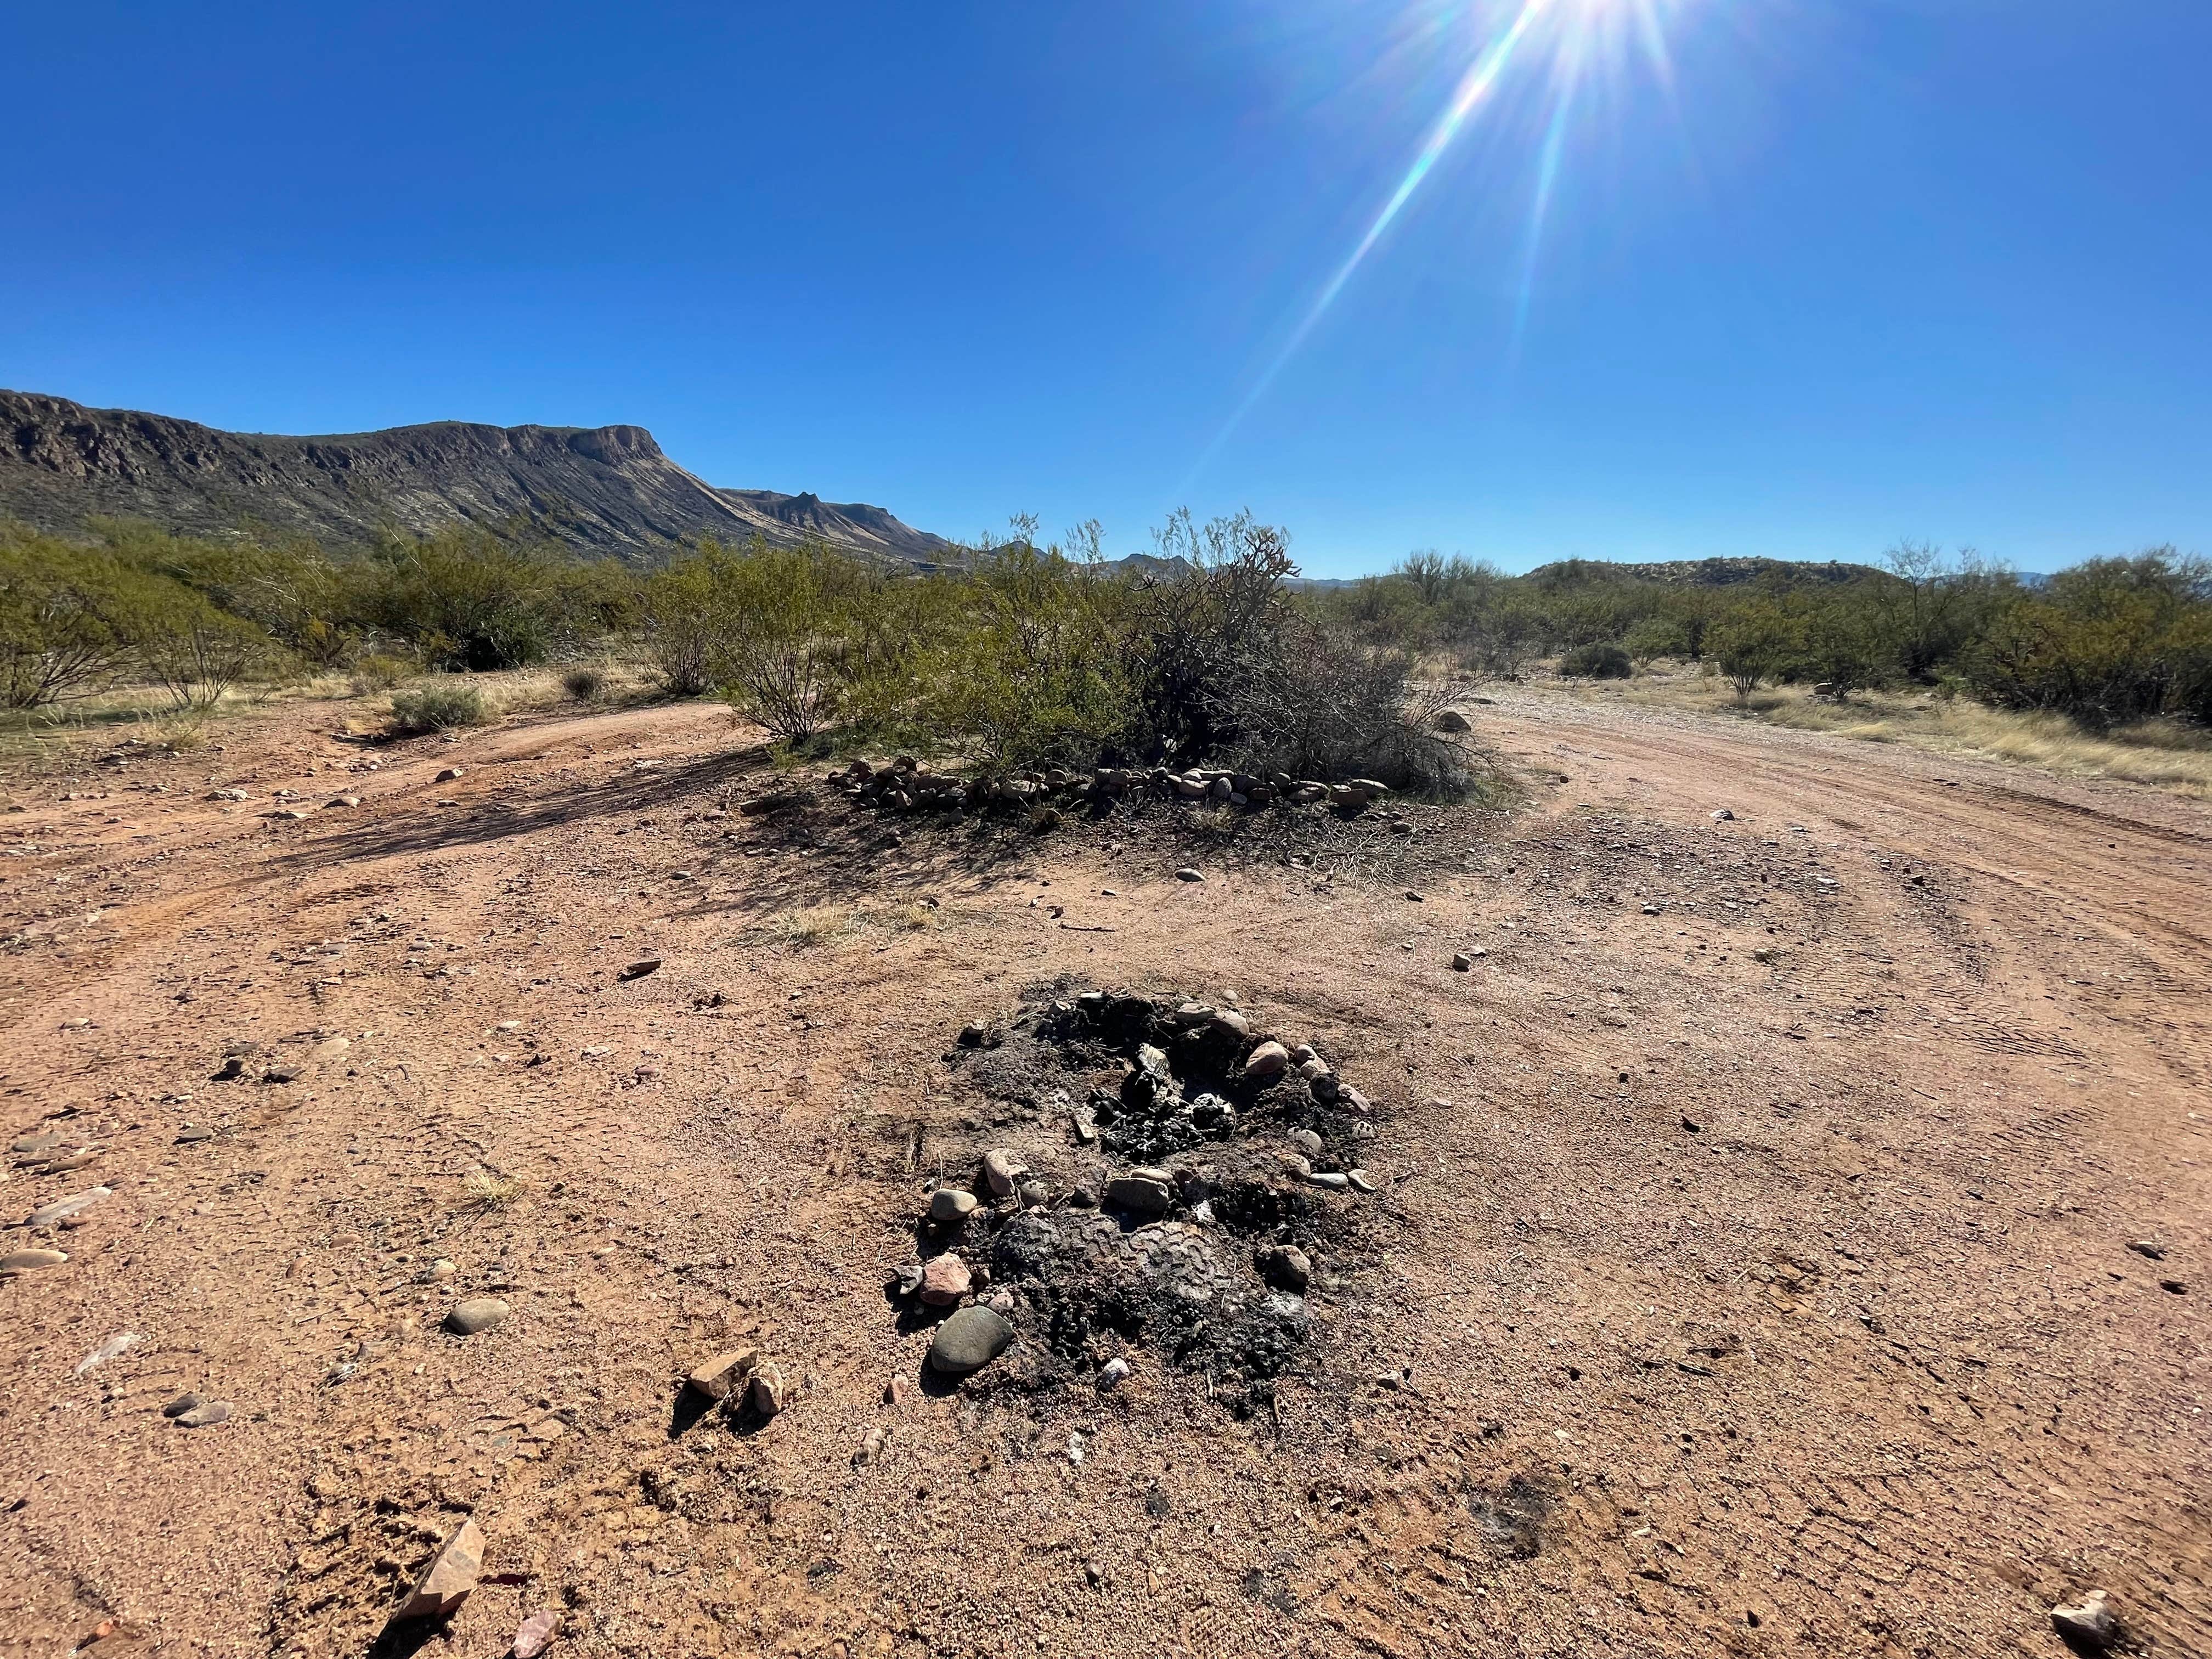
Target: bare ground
(1711, 1302)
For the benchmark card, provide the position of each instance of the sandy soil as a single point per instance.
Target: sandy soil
(1749, 1272)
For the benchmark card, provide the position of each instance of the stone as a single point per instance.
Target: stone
(330, 1048)
(25, 1261)
(639, 969)
(1002, 1172)
(1462, 962)
(973, 1036)
(1266, 1062)
(1112, 1374)
(871, 1445)
(343, 801)
(950, 1205)
(1035, 1194)
(1650, 909)
(446, 1581)
(1285, 1266)
(448, 774)
(2149, 1248)
(1450, 719)
(63, 1208)
(1303, 1054)
(1229, 1020)
(905, 1278)
(205, 1415)
(1359, 1181)
(31, 1146)
(1307, 1142)
(181, 1405)
(1325, 1085)
(766, 1393)
(1723, 816)
(716, 1377)
(1188, 874)
(969, 1340)
(536, 1633)
(477, 1313)
(945, 1280)
(2089, 1622)
(899, 1391)
(1329, 1179)
(1143, 1193)
(435, 1272)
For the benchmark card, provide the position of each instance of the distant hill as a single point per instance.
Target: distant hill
(600, 490)
(1702, 572)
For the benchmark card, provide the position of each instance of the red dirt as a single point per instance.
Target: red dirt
(1859, 1364)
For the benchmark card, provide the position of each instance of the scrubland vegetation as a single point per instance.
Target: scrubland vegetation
(1028, 655)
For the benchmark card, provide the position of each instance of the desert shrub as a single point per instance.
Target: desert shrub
(680, 606)
(469, 600)
(62, 626)
(380, 671)
(1597, 662)
(2108, 643)
(441, 705)
(584, 684)
(779, 644)
(192, 650)
(1752, 641)
(1201, 633)
(1656, 636)
(283, 586)
(1328, 705)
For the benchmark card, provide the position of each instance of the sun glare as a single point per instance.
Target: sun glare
(1555, 45)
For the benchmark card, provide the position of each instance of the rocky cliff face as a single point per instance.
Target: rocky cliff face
(604, 489)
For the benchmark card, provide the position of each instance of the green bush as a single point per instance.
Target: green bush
(1597, 662)
(2108, 643)
(469, 600)
(63, 631)
(438, 707)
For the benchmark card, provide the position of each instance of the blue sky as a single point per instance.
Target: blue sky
(1818, 275)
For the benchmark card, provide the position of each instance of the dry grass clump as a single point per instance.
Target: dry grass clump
(487, 1190)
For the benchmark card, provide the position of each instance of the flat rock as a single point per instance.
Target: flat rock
(945, 1280)
(477, 1313)
(969, 1340)
(536, 1633)
(205, 1415)
(1307, 1142)
(446, 1581)
(32, 1144)
(639, 969)
(1139, 1194)
(717, 1376)
(25, 1261)
(62, 1208)
(181, 1405)
(447, 775)
(1188, 874)
(1330, 1180)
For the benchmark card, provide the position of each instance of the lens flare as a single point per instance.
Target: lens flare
(1570, 37)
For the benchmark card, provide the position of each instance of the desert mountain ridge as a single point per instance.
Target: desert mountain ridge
(607, 490)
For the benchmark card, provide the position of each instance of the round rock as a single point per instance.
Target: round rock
(1269, 1060)
(969, 1340)
(949, 1205)
(478, 1313)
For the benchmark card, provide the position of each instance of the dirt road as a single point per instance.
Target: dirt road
(1749, 1268)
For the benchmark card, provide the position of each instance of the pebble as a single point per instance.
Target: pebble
(24, 1261)
(181, 1405)
(346, 800)
(1112, 1374)
(449, 774)
(766, 1393)
(478, 1313)
(63, 1209)
(871, 1445)
(1650, 909)
(1287, 1267)
(1307, 1142)
(905, 1278)
(1722, 815)
(446, 1581)
(717, 1376)
(437, 1273)
(969, 1340)
(1330, 1179)
(1462, 962)
(536, 1633)
(330, 1048)
(1304, 1054)
(32, 1144)
(1036, 1194)
(1358, 1181)
(639, 969)
(945, 1280)
(204, 1415)
(1000, 1171)
(1269, 1060)
(1188, 874)
(951, 1205)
